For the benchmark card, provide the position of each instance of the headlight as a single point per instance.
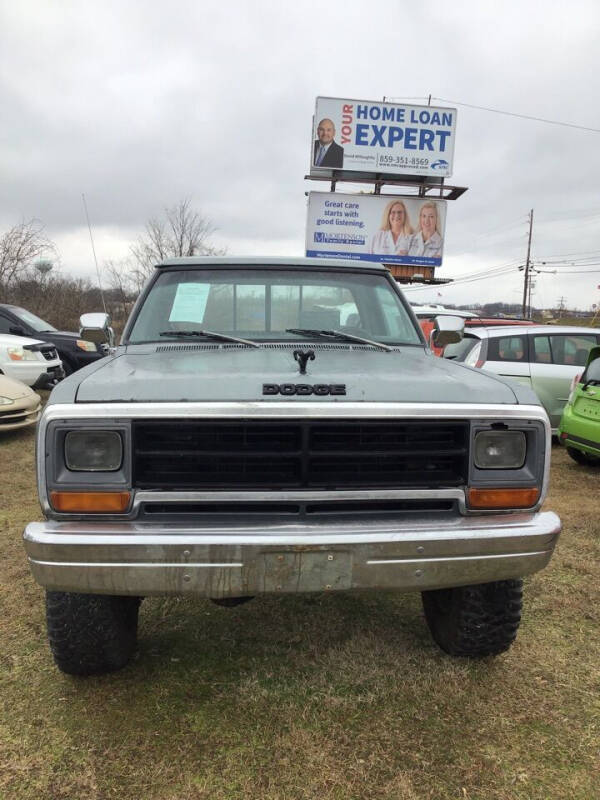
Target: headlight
(90, 347)
(20, 354)
(6, 401)
(93, 451)
(500, 449)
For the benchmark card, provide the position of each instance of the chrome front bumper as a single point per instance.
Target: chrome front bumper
(153, 559)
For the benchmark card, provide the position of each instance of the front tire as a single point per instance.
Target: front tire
(91, 633)
(475, 621)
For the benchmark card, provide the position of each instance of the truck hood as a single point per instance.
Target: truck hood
(215, 373)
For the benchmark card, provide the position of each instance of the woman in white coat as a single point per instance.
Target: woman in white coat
(427, 241)
(394, 236)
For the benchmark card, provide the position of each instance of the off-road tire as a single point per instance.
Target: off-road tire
(91, 633)
(583, 458)
(475, 621)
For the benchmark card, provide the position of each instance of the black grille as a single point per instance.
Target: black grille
(328, 507)
(50, 354)
(307, 454)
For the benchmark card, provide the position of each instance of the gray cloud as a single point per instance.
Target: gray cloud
(140, 105)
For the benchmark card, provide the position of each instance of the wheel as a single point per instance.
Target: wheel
(583, 458)
(91, 633)
(475, 621)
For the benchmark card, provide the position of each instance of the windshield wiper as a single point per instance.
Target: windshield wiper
(224, 337)
(340, 335)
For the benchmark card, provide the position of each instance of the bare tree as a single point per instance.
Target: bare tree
(182, 231)
(123, 289)
(58, 299)
(19, 248)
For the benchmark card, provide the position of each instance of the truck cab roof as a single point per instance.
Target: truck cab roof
(189, 262)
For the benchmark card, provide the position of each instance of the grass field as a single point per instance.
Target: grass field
(332, 697)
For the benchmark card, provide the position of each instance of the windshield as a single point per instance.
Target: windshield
(34, 322)
(262, 305)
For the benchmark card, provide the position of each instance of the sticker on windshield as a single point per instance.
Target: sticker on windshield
(190, 302)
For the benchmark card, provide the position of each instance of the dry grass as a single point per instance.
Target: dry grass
(333, 697)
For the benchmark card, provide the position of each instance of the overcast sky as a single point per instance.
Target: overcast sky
(139, 105)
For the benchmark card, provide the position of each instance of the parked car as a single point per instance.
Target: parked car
(240, 443)
(545, 357)
(73, 351)
(579, 429)
(30, 361)
(19, 405)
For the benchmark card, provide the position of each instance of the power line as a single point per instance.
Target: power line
(574, 271)
(461, 282)
(500, 229)
(576, 215)
(575, 253)
(484, 276)
(487, 270)
(521, 116)
(567, 265)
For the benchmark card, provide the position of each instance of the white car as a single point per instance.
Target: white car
(545, 357)
(30, 361)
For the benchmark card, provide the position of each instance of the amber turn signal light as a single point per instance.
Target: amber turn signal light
(502, 498)
(90, 502)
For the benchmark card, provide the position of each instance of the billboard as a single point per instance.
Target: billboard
(390, 229)
(365, 136)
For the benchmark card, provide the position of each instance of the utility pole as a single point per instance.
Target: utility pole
(526, 281)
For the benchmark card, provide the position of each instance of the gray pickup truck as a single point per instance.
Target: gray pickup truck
(281, 426)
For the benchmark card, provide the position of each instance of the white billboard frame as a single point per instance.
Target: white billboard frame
(380, 137)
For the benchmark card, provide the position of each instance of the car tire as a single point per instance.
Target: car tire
(475, 621)
(583, 458)
(90, 633)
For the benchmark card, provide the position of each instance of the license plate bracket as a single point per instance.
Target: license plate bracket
(307, 571)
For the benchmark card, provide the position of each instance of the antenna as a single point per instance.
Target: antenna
(94, 252)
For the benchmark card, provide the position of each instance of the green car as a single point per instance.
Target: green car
(579, 428)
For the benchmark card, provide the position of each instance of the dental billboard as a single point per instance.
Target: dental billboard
(389, 229)
(365, 136)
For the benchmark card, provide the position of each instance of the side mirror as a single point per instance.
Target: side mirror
(96, 328)
(447, 330)
(16, 331)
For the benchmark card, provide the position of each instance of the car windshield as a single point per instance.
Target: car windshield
(39, 325)
(263, 305)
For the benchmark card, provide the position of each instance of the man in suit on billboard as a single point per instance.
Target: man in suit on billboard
(326, 152)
